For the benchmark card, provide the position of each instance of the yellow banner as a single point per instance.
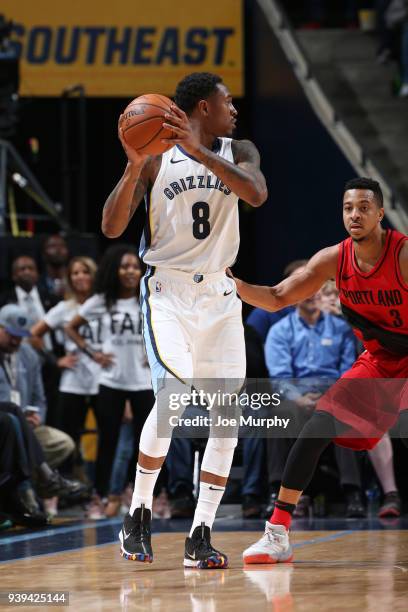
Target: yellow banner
(124, 47)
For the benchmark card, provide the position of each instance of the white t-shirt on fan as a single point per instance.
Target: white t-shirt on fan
(122, 337)
(83, 379)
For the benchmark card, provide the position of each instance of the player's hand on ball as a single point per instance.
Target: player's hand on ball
(178, 122)
(138, 159)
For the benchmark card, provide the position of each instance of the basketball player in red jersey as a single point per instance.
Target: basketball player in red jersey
(371, 271)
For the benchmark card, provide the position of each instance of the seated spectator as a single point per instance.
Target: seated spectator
(20, 383)
(48, 483)
(55, 256)
(36, 301)
(262, 320)
(18, 502)
(315, 348)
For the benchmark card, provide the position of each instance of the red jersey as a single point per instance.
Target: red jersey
(375, 303)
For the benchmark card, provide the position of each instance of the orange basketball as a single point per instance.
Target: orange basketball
(143, 124)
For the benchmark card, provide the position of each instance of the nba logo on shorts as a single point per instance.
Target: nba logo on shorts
(158, 287)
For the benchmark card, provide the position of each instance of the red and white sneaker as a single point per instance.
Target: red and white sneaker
(273, 547)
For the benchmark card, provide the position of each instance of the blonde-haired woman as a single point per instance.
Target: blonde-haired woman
(80, 377)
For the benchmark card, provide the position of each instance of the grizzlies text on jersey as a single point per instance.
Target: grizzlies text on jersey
(192, 220)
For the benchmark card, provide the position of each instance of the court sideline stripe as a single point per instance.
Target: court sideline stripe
(333, 536)
(57, 552)
(319, 540)
(23, 537)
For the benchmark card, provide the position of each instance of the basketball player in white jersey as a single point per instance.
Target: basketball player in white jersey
(192, 315)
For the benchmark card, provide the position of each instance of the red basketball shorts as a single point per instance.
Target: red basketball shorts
(368, 398)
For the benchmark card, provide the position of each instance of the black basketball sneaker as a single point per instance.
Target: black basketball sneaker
(200, 554)
(135, 536)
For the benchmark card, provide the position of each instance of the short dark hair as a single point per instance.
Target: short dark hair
(22, 256)
(366, 183)
(195, 87)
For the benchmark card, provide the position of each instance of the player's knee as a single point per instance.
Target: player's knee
(150, 443)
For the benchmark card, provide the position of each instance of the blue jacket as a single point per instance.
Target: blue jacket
(29, 381)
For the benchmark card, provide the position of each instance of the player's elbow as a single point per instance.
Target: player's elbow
(109, 230)
(259, 196)
(277, 299)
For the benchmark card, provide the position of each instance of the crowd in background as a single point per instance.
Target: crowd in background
(74, 369)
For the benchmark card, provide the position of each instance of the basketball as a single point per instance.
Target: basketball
(143, 124)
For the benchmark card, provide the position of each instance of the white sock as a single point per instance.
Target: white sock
(143, 491)
(207, 505)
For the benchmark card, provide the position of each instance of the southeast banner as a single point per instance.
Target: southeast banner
(125, 47)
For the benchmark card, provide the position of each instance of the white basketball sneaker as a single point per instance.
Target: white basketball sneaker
(273, 547)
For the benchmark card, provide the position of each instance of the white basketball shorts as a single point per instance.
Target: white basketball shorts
(192, 326)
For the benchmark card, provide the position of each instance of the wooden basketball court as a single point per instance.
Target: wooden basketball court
(341, 569)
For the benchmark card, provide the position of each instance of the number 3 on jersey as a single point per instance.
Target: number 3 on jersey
(201, 223)
(396, 318)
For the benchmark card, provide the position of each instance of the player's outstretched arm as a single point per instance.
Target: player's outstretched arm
(299, 286)
(243, 177)
(129, 191)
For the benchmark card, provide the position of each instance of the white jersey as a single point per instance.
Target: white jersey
(83, 379)
(121, 337)
(192, 220)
